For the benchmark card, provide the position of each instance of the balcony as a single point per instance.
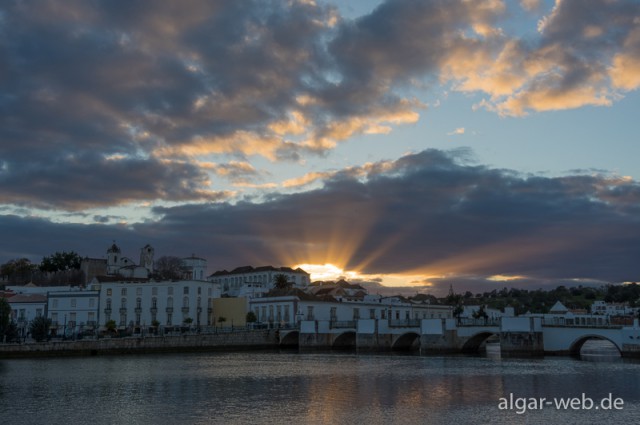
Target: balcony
(169, 309)
(123, 311)
(185, 309)
(107, 311)
(138, 310)
(153, 310)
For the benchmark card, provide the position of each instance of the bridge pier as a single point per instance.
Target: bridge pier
(521, 336)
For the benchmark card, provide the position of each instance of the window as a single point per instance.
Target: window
(123, 292)
(310, 313)
(73, 302)
(54, 318)
(170, 290)
(279, 313)
(108, 304)
(185, 290)
(109, 292)
(138, 291)
(199, 290)
(372, 313)
(123, 303)
(154, 291)
(356, 313)
(286, 313)
(169, 318)
(154, 302)
(170, 302)
(185, 302)
(54, 303)
(334, 314)
(383, 314)
(92, 302)
(138, 302)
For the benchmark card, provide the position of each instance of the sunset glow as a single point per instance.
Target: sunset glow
(405, 144)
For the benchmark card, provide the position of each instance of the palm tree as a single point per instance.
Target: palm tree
(280, 281)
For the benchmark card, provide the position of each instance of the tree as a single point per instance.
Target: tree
(221, 320)
(61, 261)
(251, 317)
(481, 314)
(111, 326)
(39, 328)
(169, 268)
(5, 317)
(455, 300)
(280, 281)
(19, 271)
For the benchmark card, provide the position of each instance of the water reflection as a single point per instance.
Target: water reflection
(301, 388)
(600, 350)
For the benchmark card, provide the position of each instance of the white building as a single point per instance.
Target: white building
(195, 268)
(74, 311)
(253, 282)
(289, 310)
(137, 304)
(25, 308)
(612, 309)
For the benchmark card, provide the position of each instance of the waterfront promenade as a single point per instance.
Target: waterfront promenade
(237, 339)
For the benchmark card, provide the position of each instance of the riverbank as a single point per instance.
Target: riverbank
(237, 340)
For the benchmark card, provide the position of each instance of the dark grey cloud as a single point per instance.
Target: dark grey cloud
(124, 85)
(432, 214)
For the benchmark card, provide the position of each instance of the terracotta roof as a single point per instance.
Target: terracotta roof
(250, 269)
(28, 298)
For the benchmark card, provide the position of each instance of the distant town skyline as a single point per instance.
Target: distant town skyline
(411, 144)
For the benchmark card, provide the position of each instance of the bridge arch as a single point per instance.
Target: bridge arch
(576, 346)
(472, 345)
(290, 339)
(345, 340)
(406, 342)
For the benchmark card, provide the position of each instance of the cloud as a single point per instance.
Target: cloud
(95, 95)
(456, 132)
(430, 214)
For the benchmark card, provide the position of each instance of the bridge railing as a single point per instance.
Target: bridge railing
(577, 323)
(467, 321)
(342, 324)
(404, 323)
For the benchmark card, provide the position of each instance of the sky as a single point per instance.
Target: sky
(408, 145)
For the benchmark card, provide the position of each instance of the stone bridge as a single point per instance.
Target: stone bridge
(516, 335)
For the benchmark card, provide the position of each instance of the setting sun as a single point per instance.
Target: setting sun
(326, 272)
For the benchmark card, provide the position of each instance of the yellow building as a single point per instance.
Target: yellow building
(227, 312)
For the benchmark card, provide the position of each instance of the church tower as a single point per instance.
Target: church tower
(113, 259)
(146, 257)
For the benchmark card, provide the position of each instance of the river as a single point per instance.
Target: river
(313, 388)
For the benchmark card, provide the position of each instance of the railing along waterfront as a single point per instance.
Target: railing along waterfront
(493, 321)
(405, 323)
(342, 324)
